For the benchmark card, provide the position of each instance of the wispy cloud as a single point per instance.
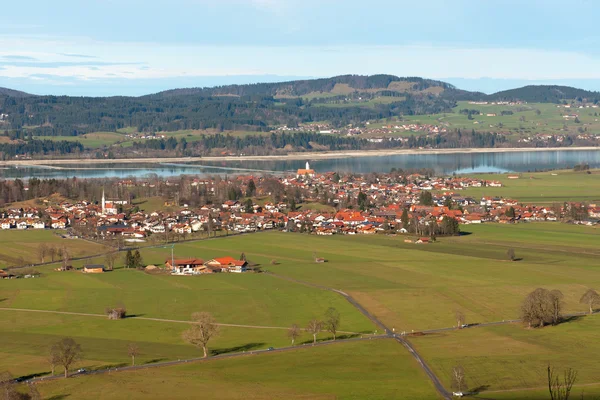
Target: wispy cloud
(76, 55)
(14, 57)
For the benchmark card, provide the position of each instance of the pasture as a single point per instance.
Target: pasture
(379, 369)
(501, 360)
(20, 247)
(525, 118)
(92, 140)
(542, 188)
(408, 286)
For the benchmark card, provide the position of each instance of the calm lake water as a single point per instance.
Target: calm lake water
(441, 163)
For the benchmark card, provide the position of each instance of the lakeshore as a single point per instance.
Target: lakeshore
(291, 156)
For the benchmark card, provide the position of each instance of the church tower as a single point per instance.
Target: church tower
(103, 202)
(307, 166)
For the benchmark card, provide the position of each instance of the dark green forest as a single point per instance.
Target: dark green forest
(256, 107)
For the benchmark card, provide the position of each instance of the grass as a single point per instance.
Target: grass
(20, 247)
(374, 370)
(543, 187)
(90, 140)
(409, 287)
(510, 357)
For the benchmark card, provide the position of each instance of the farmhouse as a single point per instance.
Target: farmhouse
(228, 264)
(187, 266)
(93, 269)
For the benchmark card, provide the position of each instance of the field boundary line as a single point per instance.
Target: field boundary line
(156, 319)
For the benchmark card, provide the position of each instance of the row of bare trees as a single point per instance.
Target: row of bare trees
(330, 323)
(45, 251)
(544, 307)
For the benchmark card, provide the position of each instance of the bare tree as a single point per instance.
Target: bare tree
(118, 312)
(133, 350)
(202, 330)
(66, 259)
(110, 259)
(42, 251)
(459, 381)
(52, 253)
(511, 254)
(294, 333)
(591, 298)
(314, 327)
(332, 321)
(560, 389)
(542, 307)
(53, 359)
(460, 318)
(556, 300)
(68, 351)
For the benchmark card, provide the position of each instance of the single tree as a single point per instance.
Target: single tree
(542, 307)
(133, 350)
(510, 253)
(66, 259)
(251, 189)
(460, 318)
(128, 259)
(137, 259)
(405, 219)
(556, 301)
(591, 298)
(294, 333)
(202, 330)
(68, 351)
(560, 389)
(52, 252)
(42, 251)
(459, 382)
(314, 327)
(7, 386)
(243, 257)
(332, 321)
(53, 359)
(109, 260)
(248, 206)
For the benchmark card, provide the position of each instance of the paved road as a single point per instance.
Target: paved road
(200, 359)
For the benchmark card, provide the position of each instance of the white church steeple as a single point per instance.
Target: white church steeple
(307, 166)
(103, 202)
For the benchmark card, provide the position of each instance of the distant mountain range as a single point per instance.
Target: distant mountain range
(341, 100)
(352, 84)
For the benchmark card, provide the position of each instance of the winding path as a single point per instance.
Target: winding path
(388, 333)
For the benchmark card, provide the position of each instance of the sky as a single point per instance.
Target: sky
(136, 47)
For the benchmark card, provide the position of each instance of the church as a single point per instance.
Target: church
(305, 172)
(108, 207)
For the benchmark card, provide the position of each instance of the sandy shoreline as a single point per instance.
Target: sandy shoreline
(291, 156)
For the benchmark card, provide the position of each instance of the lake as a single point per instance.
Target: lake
(443, 164)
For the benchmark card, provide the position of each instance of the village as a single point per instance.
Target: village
(322, 204)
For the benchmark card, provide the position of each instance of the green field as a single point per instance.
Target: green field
(409, 287)
(502, 358)
(20, 247)
(525, 118)
(380, 369)
(90, 140)
(542, 188)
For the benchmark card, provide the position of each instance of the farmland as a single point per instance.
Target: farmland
(375, 370)
(543, 188)
(407, 286)
(20, 247)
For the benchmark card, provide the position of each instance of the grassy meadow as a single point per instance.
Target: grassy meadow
(379, 369)
(408, 286)
(542, 188)
(500, 359)
(21, 247)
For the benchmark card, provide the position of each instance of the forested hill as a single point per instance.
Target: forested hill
(340, 85)
(13, 93)
(339, 101)
(546, 94)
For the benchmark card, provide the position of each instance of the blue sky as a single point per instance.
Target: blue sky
(133, 47)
